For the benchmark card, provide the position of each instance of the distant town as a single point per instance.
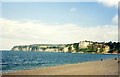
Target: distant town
(81, 47)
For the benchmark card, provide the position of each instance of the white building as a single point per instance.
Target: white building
(84, 44)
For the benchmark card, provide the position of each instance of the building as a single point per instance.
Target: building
(84, 44)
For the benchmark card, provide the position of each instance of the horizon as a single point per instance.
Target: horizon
(61, 44)
(25, 23)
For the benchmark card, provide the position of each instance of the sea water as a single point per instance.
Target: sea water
(23, 60)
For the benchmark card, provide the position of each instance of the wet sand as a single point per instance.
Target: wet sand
(105, 67)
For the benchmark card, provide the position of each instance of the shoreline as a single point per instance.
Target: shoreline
(58, 52)
(105, 67)
(41, 67)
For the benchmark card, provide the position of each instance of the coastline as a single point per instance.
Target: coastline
(105, 67)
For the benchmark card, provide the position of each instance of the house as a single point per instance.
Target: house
(84, 44)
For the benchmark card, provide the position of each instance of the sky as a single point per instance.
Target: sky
(24, 23)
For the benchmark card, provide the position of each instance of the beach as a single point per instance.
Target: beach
(105, 67)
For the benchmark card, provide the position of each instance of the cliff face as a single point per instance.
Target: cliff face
(40, 47)
(48, 47)
(81, 47)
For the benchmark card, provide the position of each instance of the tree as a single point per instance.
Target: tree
(90, 48)
(69, 49)
(76, 46)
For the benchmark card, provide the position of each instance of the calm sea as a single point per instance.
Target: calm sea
(12, 61)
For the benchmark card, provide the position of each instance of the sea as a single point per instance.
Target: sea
(24, 60)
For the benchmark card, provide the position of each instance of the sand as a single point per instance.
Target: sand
(105, 67)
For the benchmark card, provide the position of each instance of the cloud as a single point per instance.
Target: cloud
(115, 20)
(109, 3)
(73, 9)
(17, 32)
